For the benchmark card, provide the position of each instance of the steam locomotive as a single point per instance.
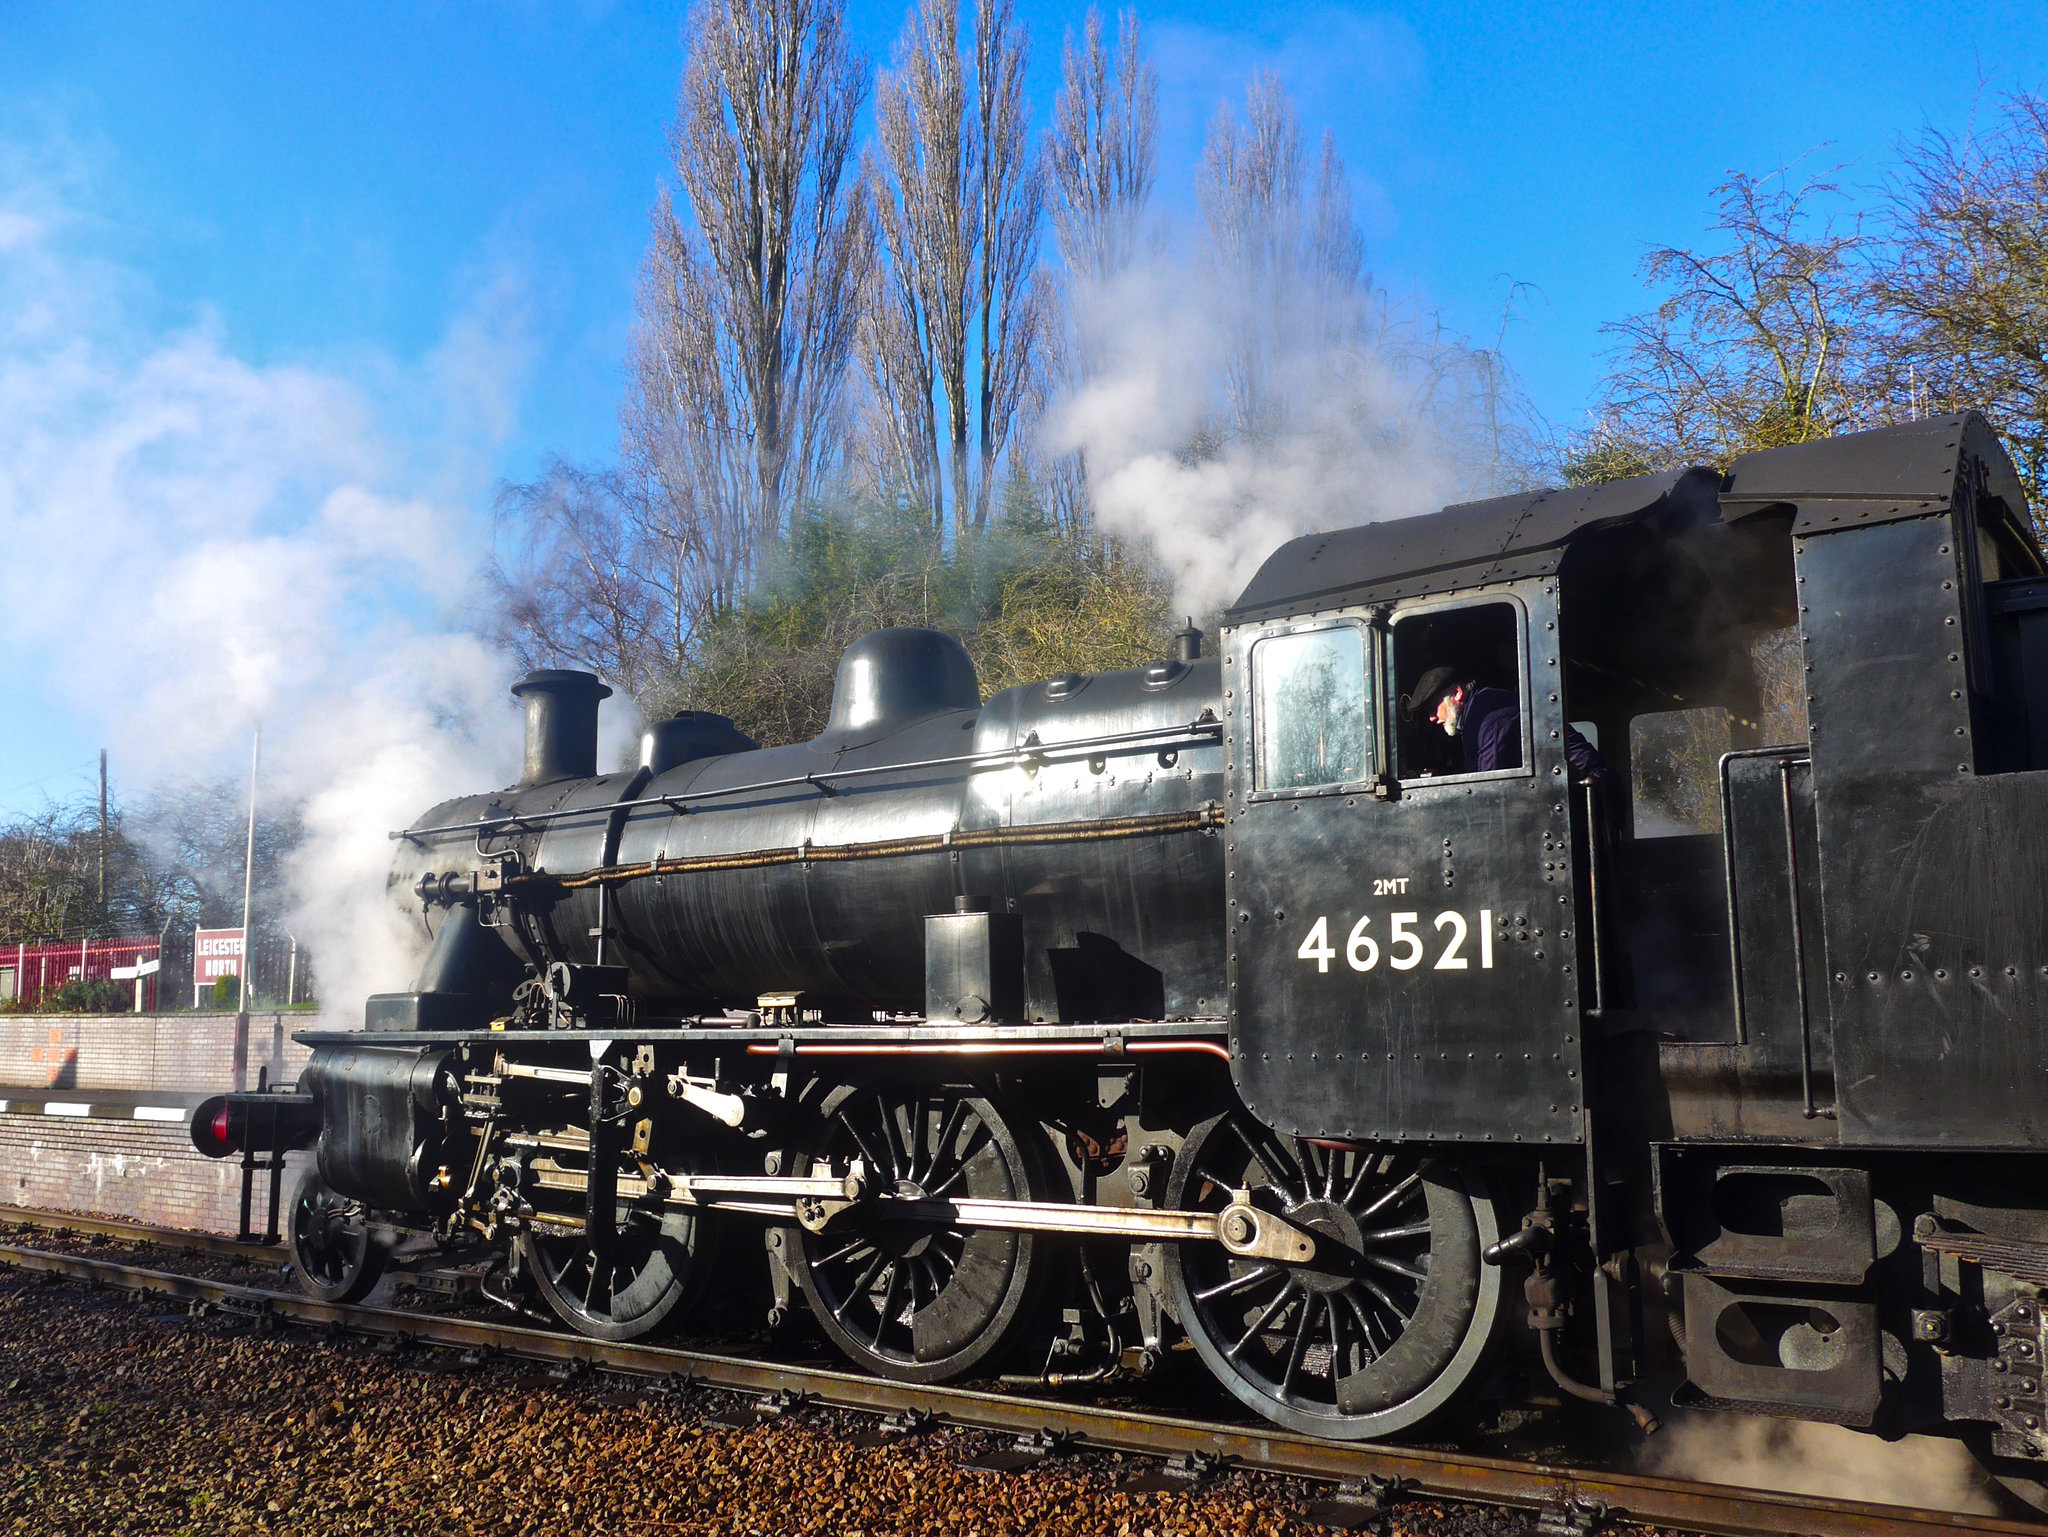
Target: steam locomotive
(1218, 1001)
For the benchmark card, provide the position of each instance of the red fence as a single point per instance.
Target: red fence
(28, 973)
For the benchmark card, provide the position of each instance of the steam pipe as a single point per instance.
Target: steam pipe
(1203, 728)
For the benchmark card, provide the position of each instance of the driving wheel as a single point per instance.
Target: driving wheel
(633, 1281)
(1391, 1320)
(916, 1300)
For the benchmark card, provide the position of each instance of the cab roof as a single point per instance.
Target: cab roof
(1849, 481)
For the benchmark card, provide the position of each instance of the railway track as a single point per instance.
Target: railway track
(1371, 1478)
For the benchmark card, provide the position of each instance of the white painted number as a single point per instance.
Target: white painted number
(1317, 946)
(1450, 960)
(1406, 950)
(1397, 934)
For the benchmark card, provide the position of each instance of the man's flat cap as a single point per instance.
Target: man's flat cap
(1430, 688)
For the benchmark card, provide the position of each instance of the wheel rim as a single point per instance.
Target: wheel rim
(332, 1255)
(1383, 1328)
(630, 1287)
(910, 1300)
(635, 1281)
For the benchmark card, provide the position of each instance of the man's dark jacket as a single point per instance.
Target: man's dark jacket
(1492, 732)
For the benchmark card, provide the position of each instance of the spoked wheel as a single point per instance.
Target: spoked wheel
(635, 1281)
(1390, 1321)
(333, 1258)
(911, 1300)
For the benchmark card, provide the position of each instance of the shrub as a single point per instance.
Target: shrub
(95, 995)
(1028, 602)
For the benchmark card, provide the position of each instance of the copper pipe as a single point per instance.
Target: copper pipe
(991, 1048)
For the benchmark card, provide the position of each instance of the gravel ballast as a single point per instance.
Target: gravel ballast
(119, 1416)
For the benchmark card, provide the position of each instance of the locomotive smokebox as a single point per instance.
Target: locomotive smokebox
(561, 724)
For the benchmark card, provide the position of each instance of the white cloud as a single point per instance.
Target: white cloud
(195, 542)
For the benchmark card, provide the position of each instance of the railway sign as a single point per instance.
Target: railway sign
(216, 953)
(135, 973)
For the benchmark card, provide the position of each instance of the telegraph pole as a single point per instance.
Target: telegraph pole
(248, 948)
(249, 863)
(103, 837)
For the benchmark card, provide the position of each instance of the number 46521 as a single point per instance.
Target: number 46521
(1405, 948)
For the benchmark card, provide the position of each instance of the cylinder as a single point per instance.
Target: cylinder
(561, 724)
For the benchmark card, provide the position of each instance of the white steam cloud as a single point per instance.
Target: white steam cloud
(196, 543)
(1213, 502)
(1793, 1457)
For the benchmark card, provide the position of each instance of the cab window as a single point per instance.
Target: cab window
(1311, 706)
(1478, 645)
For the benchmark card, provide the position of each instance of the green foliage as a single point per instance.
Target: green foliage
(1602, 457)
(1027, 600)
(95, 995)
(227, 993)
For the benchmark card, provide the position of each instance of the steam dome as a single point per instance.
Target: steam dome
(891, 678)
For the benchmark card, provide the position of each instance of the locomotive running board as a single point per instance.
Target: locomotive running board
(818, 1203)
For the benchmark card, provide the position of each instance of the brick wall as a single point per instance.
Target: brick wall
(144, 1171)
(146, 1051)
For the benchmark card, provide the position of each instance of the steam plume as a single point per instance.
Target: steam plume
(197, 542)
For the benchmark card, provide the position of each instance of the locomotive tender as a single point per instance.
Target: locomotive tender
(1215, 1000)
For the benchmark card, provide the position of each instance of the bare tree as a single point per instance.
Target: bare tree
(746, 308)
(1284, 252)
(1100, 166)
(1009, 302)
(595, 572)
(1099, 150)
(1962, 283)
(1759, 342)
(952, 328)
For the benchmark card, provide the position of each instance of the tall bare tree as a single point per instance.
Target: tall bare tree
(1100, 166)
(1760, 341)
(953, 327)
(1962, 281)
(1285, 250)
(1099, 151)
(746, 306)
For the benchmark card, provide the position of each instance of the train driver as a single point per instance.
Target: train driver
(1489, 723)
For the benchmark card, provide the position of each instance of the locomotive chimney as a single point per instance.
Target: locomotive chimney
(561, 724)
(1187, 643)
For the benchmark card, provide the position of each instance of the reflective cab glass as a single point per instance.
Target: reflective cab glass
(1312, 724)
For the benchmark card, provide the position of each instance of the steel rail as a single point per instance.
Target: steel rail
(141, 1232)
(1704, 1508)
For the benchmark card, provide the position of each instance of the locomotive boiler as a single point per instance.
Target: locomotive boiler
(1224, 1000)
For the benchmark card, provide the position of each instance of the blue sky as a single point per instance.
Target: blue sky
(420, 226)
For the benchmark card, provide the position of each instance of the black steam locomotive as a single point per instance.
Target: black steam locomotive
(1220, 999)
